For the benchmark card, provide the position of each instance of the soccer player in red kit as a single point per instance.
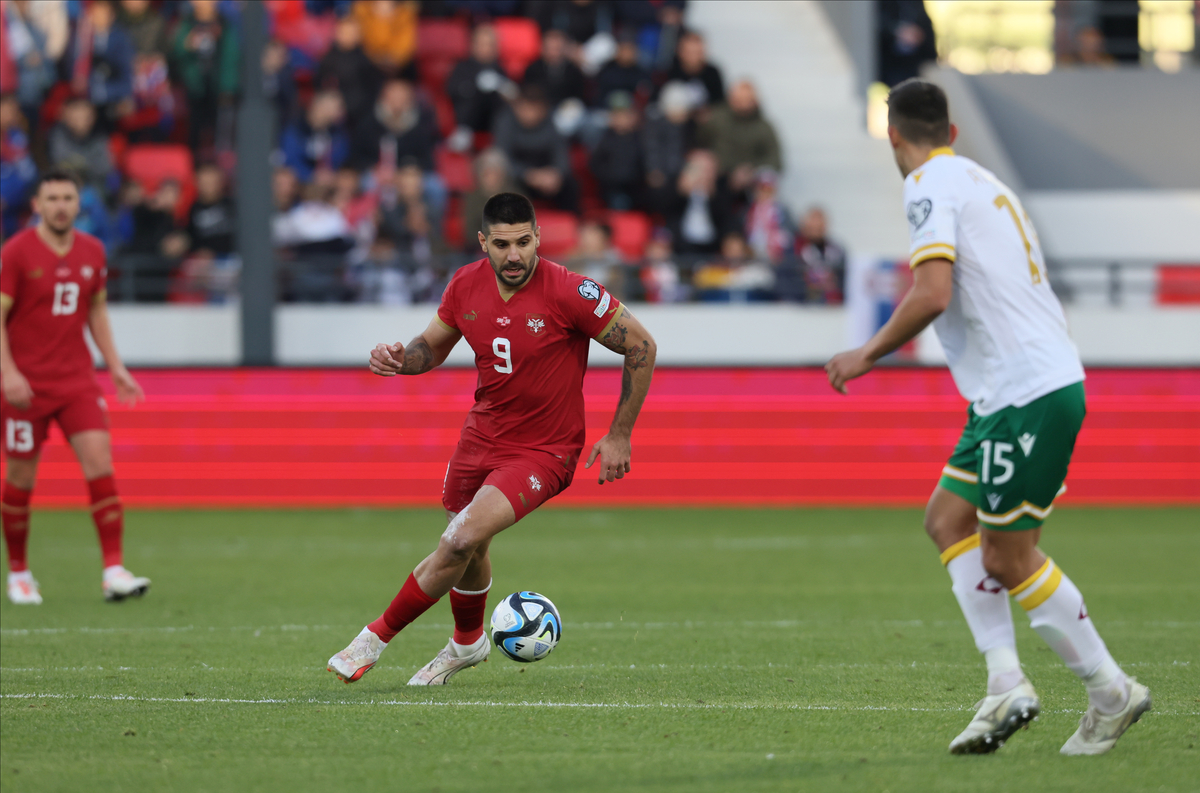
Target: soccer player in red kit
(52, 284)
(529, 322)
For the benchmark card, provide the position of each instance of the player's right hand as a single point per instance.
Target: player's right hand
(17, 391)
(387, 359)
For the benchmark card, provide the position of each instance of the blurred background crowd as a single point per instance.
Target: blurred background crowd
(651, 170)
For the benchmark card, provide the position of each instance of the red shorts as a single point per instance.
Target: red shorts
(25, 430)
(528, 478)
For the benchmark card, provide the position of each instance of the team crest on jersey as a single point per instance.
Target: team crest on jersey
(86, 271)
(535, 324)
(589, 290)
(503, 321)
(918, 212)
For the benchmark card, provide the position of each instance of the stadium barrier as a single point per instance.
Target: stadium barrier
(341, 438)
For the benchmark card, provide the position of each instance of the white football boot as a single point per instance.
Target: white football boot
(121, 584)
(357, 659)
(1099, 731)
(23, 589)
(448, 663)
(998, 716)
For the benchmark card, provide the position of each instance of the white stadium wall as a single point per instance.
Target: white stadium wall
(688, 335)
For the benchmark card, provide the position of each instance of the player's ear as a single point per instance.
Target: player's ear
(894, 136)
(482, 241)
(953, 133)
(537, 237)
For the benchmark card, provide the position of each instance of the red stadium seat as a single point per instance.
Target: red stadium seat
(520, 44)
(560, 232)
(631, 232)
(455, 170)
(443, 40)
(149, 164)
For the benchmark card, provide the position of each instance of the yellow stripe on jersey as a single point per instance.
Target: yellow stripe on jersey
(1009, 517)
(617, 310)
(938, 250)
(939, 151)
(959, 548)
(6, 300)
(960, 474)
(100, 297)
(445, 327)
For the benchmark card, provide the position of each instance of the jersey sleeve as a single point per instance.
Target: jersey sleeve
(10, 275)
(932, 206)
(447, 312)
(586, 305)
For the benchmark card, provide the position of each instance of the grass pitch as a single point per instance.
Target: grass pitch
(702, 651)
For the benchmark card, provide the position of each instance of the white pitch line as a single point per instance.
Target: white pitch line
(523, 704)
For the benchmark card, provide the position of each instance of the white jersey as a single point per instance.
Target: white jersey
(1004, 332)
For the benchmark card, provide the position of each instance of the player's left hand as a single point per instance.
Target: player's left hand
(614, 452)
(128, 390)
(846, 366)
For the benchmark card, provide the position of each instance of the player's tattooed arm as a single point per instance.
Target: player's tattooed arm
(423, 353)
(628, 337)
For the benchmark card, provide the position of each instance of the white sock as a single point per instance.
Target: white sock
(24, 575)
(985, 605)
(1058, 614)
(113, 570)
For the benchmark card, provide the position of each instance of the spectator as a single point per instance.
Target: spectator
(399, 129)
(27, 43)
(691, 67)
(212, 221)
(768, 225)
(537, 151)
(661, 42)
(279, 84)
(623, 73)
(554, 72)
(734, 277)
(17, 170)
(377, 277)
(76, 144)
(824, 261)
(595, 257)
(492, 175)
(741, 138)
(356, 205)
(99, 61)
(94, 218)
(146, 27)
(318, 142)
(478, 87)
(347, 69)
(659, 274)
(205, 57)
(410, 221)
(581, 20)
(313, 236)
(618, 163)
(155, 244)
(666, 137)
(389, 34)
(703, 210)
(906, 40)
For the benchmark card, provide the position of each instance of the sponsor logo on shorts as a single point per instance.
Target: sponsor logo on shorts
(535, 323)
(535, 483)
(523, 501)
(994, 499)
(589, 290)
(503, 322)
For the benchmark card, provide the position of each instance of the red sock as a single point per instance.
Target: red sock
(468, 608)
(406, 607)
(14, 513)
(109, 517)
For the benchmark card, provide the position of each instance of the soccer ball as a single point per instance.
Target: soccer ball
(526, 626)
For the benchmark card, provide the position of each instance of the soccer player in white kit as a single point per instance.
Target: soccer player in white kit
(980, 278)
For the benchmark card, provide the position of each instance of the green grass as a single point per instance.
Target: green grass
(703, 651)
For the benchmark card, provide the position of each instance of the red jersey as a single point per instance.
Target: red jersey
(50, 300)
(531, 352)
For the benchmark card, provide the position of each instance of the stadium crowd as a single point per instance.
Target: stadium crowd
(396, 121)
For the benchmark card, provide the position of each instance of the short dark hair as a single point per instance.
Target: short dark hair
(920, 111)
(508, 209)
(56, 175)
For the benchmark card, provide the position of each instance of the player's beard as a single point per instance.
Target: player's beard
(518, 281)
(59, 223)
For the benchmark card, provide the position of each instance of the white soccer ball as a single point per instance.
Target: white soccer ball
(526, 626)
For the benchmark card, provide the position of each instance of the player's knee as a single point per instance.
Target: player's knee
(940, 526)
(997, 564)
(21, 475)
(459, 542)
